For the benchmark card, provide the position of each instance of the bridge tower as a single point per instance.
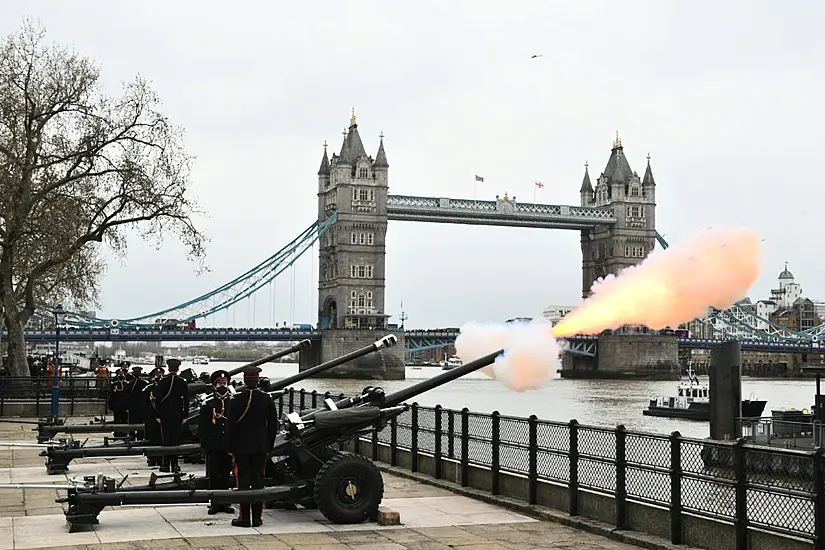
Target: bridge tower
(351, 262)
(609, 249)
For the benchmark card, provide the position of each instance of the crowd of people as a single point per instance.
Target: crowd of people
(235, 432)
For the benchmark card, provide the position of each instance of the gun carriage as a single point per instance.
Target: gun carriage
(304, 468)
(61, 452)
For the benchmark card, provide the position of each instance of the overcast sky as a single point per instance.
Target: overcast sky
(725, 96)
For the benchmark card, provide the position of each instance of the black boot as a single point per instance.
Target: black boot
(240, 523)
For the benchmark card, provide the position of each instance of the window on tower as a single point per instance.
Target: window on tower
(363, 173)
(634, 191)
(361, 271)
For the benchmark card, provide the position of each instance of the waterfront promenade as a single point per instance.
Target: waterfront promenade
(432, 517)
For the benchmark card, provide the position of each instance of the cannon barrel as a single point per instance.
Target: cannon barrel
(89, 429)
(317, 428)
(376, 396)
(27, 444)
(302, 345)
(415, 390)
(385, 342)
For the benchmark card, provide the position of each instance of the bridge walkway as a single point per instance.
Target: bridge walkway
(432, 518)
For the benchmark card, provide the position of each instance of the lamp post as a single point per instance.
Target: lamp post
(59, 315)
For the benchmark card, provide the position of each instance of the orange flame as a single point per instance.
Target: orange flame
(716, 268)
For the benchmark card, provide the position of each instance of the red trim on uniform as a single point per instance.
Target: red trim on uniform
(206, 462)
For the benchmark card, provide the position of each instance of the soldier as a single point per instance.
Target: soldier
(212, 432)
(171, 408)
(252, 424)
(136, 406)
(119, 400)
(151, 424)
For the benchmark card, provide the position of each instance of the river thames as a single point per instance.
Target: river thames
(592, 402)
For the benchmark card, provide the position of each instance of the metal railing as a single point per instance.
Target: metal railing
(747, 486)
(37, 390)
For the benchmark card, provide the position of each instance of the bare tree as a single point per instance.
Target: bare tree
(77, 169)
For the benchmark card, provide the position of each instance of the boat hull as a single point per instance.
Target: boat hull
(701, 411)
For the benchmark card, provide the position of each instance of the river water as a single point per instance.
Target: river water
(592, 402)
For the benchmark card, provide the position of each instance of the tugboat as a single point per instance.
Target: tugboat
(692, 402)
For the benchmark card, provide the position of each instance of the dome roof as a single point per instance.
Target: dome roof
(786, 275)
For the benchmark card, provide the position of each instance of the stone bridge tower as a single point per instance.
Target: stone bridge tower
(609, 249)
(351, 263)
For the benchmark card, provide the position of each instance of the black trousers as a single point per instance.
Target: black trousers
(170, 427)
(249, 474)
(218, 467)
(135, 417)
(121, 417)
(154, 437)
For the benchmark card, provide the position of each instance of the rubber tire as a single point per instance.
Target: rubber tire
(370, 485)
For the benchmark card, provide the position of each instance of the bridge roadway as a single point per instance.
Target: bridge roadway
(416, 340)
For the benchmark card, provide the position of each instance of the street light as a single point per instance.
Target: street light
(59, 316)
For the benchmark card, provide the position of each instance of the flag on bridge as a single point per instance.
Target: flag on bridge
(479, 178)
(539, 184)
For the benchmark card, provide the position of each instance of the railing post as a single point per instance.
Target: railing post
(621, 477)
(314, 398)
(676, 488)
(741, 475)
(495, 442)
(438, 432)
(465, 447)
(533, 460)
(414, 438)
(302, 399)
(291, 399)
(819, 497)
(394, 441)
(573, 485)
(450, 434)
(375, 445)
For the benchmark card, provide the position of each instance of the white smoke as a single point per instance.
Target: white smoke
(531, 353)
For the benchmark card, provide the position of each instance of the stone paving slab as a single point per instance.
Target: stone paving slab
(432, 517)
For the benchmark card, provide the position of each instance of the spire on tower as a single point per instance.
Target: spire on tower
(381, 156)
(617, 143)
(586, 187)
(324, 169)
(352, 121)
(648, 177)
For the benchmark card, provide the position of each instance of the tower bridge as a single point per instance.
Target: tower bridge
(615, 217)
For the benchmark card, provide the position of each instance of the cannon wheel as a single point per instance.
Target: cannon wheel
(348, 489)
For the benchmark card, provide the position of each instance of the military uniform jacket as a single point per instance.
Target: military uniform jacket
(252, 423)
(212, 424)
(149, 400)
(135, 389)
(118, 395)
(171, 397)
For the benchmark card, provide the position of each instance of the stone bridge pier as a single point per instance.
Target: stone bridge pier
(633, 356)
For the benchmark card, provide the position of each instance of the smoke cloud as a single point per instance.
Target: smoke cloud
(531, 353)
(715, 268)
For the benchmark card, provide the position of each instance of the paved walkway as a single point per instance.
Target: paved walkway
(432, 518)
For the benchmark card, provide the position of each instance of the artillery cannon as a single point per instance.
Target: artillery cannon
(59, 455)
(303, 468)
(197, 390)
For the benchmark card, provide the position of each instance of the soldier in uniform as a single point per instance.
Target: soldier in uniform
(252, 424)
(171, 407)
(118, 401)
(212, 431)
(151, 424)
(136, 407)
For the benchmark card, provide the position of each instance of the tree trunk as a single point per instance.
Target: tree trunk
(18, 363)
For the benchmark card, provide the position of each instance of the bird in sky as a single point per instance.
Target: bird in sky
(535, 55)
